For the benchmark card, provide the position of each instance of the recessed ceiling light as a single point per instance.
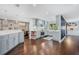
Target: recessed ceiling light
(34, 5)
(17, 5)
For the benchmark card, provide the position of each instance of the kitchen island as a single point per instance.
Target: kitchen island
(10, 39)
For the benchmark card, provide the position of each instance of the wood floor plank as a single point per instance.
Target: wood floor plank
(70, 46)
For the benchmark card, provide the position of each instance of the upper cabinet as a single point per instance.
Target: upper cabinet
(6, 24)
(39, 22)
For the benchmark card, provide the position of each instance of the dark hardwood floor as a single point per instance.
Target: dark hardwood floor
(70, 46)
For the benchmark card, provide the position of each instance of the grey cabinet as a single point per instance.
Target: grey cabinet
(9, 41)
(0, 45)
(16, 39)
(21, 37)
(3, 44)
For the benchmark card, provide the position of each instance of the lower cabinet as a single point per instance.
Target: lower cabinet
(0, 45)
(3, 44)
(21, 37)
(16, 39)
(9, 41)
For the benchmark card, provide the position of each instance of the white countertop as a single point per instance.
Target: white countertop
(5, 32)
(54, 30)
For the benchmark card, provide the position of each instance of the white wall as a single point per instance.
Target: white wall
(56, 34)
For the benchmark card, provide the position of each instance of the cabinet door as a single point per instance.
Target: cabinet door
(21, 37)
(4, 42)
(11, 41)
(1, 45)
(16, 39)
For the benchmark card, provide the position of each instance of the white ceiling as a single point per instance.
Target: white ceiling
(25, 11)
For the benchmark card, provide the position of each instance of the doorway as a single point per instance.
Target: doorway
(24, 26)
